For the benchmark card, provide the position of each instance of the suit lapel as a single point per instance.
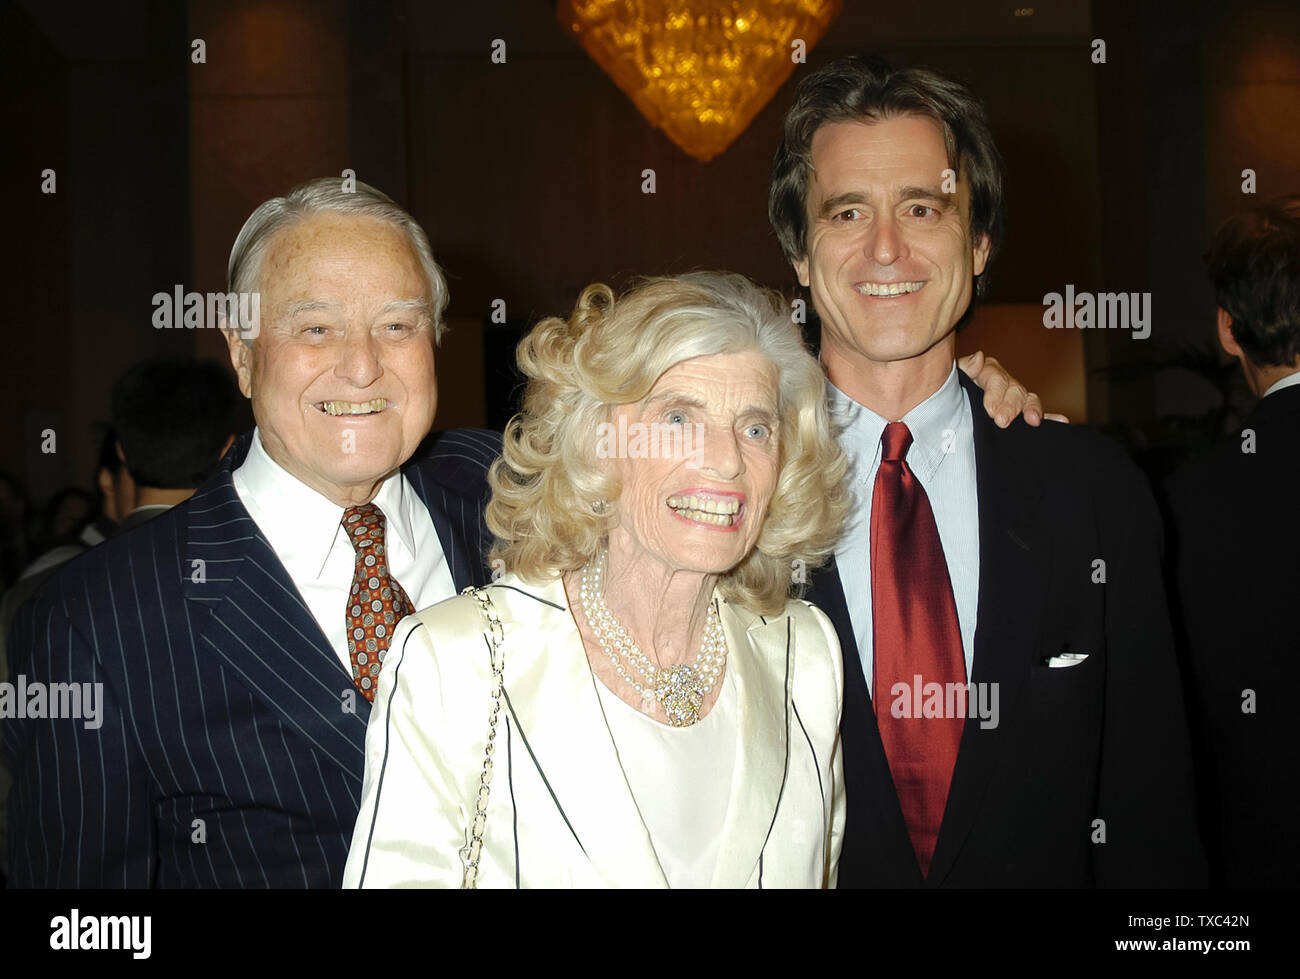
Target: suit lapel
(260, 628)
(449, 474)
(556, 709)
(760, 660)
(438, 500)
(1013, 566)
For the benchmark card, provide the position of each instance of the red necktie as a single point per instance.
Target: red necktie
(916, 641)
(377, 602)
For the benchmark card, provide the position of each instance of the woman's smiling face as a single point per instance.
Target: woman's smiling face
(698, 464)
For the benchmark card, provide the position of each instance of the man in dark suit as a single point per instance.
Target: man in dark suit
(1012, 710)
(1236, 554)
(232, 642)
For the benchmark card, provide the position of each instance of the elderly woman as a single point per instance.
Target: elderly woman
(638, 702)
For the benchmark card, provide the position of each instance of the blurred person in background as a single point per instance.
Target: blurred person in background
(1235, 554)
(172, 423)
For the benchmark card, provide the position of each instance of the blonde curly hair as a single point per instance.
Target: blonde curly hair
(547, 485)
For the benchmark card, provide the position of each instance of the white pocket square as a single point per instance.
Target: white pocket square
(1066, 659)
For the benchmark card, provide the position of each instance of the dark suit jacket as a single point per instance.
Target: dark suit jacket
(29, 584)
(1103, 740)
(19, 593)
(1236, 559)
(227, 754)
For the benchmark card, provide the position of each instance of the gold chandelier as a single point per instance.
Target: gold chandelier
(700, 70)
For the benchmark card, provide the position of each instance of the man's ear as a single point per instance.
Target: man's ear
(241, 358)
(980, 255)
(109, 490)
(1226, 340)
(801, 270)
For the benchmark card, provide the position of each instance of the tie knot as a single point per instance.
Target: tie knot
(895, 442)
(365, 526)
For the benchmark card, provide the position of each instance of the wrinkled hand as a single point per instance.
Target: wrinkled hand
(1004, 396)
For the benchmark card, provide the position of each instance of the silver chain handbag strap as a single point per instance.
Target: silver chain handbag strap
(479, 822)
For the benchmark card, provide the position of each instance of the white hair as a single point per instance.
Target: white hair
(326, 195)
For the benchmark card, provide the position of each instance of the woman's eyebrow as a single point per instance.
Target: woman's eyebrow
(681, 398)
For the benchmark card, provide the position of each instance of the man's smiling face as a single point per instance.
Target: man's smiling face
(889, 254)
(341, 376)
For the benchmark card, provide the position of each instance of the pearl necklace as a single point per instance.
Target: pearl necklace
(679, 690)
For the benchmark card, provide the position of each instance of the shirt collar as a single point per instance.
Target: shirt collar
(144, 507)
(933, 424)
(1289, 381)
(299, 521)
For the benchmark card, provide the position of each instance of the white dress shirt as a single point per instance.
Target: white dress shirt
(306, 532)
(680, 778)
(942, 455)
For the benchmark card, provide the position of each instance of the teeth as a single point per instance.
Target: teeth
(718, 519)
(888, 288)
(703, 509)
(353, 408)
(704, 504)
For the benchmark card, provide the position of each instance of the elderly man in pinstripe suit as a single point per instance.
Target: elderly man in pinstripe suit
(237, 637)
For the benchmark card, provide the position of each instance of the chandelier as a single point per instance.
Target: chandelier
(700, 70)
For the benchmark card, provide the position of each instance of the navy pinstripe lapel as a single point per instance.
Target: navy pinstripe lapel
(260, 626)
(448, 474)
(441, 505)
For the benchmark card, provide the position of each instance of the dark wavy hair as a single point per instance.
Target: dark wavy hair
(860, 88)
(1254, 263)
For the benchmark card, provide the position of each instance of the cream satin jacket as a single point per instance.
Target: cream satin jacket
(561, 813)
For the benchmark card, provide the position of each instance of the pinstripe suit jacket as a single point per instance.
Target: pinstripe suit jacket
(561, 813)
(231, 749)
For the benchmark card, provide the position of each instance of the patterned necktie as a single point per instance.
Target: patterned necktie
(917, 642)
(377, 602)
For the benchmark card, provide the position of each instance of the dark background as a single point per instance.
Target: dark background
(527, 176)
